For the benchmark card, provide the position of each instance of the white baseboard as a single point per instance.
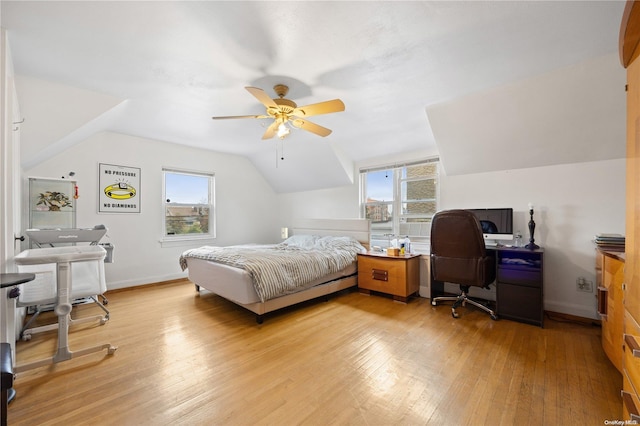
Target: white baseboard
(115, 285)
(425, 291)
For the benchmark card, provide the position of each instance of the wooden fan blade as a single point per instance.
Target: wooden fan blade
(262, 96)
(326, 107)
(311, 127)
(239, 116)
(271, 131)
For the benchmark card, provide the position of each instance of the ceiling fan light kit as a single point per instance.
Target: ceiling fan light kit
(283, 110)
(283, 131)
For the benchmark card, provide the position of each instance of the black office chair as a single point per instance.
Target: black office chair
(459, 256)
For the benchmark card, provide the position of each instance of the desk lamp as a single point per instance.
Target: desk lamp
(532, 227)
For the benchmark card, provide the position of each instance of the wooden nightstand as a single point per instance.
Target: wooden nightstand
(395, 275)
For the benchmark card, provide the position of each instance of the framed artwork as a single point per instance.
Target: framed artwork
(118, 189)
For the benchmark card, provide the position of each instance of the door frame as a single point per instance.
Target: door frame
(10, 185)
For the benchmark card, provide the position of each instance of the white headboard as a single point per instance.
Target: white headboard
(356, 228)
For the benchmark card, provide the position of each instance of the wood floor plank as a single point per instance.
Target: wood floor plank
(190, 359)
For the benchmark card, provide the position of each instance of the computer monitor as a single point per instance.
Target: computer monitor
(497, 224)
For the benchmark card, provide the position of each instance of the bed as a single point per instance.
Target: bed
(217, 270)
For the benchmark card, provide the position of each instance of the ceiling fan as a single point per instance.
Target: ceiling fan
(284, 111)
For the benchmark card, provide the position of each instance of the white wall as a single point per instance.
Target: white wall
(572, 203)
(335, 203)
(246, 206)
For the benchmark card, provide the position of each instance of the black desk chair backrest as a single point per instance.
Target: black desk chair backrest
(458, 255)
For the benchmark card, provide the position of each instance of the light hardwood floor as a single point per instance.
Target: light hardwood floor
(363, 360)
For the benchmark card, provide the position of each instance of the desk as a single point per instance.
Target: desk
(11, 279)
(519, 284)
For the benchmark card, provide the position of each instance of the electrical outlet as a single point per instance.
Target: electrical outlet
(584, 285)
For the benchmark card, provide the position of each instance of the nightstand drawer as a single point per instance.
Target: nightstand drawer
(385, 275)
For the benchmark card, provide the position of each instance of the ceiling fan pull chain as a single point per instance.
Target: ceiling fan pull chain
(279, 156)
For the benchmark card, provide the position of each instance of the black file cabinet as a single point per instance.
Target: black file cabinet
(520, 284)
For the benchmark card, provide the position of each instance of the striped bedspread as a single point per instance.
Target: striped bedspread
(280, 269)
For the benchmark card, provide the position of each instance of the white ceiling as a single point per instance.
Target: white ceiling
(487, 85)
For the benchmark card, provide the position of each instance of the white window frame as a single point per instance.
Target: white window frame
(398, 200)
(211, 234)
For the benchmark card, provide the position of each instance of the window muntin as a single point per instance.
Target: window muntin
(188, 201)
(409, 190)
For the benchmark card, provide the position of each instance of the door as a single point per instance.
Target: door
(10, 184)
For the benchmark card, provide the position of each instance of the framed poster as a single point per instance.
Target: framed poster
(119, 189)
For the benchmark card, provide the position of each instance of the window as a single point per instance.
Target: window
(188, 202)
(400, 200)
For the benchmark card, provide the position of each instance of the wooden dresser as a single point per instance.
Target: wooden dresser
(629, 53)
(395, 275)
(609, 282)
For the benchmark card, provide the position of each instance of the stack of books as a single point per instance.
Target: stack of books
(614, 242)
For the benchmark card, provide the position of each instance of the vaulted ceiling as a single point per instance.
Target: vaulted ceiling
(485, 85)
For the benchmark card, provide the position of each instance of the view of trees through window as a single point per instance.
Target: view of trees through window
(188, 200)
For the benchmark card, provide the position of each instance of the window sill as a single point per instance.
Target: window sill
(187, 240)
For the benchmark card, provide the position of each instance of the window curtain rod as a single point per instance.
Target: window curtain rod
(398, 165)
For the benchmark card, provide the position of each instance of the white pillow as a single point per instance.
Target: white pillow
(304, 241)
(348, 243)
